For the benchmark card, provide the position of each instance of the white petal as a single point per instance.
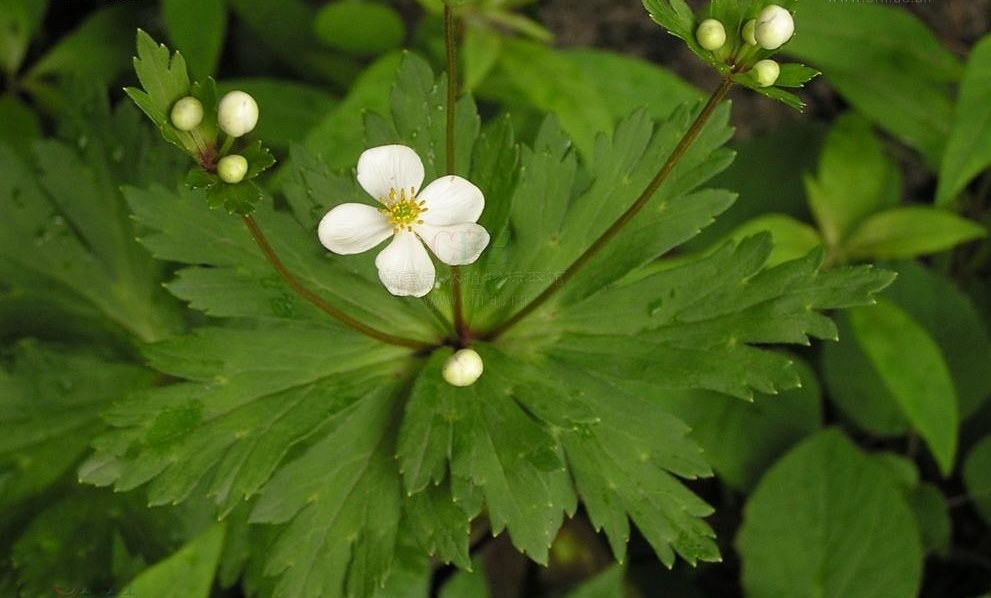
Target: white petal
(353, 228)
(387, 167)
(405, 267)
(455, 245)
(451, 200)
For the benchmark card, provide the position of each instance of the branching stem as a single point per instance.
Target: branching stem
(320, 302)
(633, 210)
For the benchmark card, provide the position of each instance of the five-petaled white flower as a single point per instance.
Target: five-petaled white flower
(443, 215)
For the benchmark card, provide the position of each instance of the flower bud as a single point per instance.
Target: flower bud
(767, 72)
(237, 113)
(774, 27)
(463, 368)
(711, 34)
(187, 113)
(232, 168)
(748, 32)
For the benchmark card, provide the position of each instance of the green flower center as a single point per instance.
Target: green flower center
(402, 210)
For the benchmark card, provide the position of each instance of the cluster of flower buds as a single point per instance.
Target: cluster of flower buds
(770, 30)
(237, 115)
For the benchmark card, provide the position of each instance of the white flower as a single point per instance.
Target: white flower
(442, 215)
(237, 113)
(187, 113)
(767, 72)
(232, 168)
(774, 27)
(463, 368)
(711, 34)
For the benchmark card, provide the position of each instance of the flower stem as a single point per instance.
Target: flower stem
(320, 302)
(460, 329)
(633, 210)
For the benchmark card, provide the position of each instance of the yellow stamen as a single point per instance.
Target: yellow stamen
(403, 211)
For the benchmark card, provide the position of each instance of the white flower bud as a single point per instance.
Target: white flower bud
(767, 72)
(232, 168)
(748, 32)
(774, 27)
(463, 368)
(187, 113)
(237, 113)
(711, 34)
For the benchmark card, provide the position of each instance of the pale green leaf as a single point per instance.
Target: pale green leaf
(197, 28)
(886, 63)
(188, 573)
(828, 522)
(913, 369)
(977, 476)
(607, 584)
(359, 27)
(480, 50)
(903, 233)
(792, 238)
(968, 150)
(855, 179)
(19, 21)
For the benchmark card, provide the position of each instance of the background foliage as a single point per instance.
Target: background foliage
(871, 478)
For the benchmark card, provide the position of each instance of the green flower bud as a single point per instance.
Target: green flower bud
(711, 34)
(774, 27)
(767, 72)
(187, 113)
(232, 168)
(237, 113)
(463, 368)
(748, 32)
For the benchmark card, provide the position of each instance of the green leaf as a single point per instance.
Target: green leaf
(96, 50)
(360, 27)
(89, 538)
(792, 238)
(886, 63)
(19, 21)
(339, 137)
(951, 319)
(968, 150)
(629, 84)
(699, 323)
(20, 126)
(742, 440)
(932, 515)
(608, 584)
(547, 236)
(164, 80)
(675, 16)
(554, 84)
(67, 241)
(340, 501)
(480, 50)
(488, 434)
(188, 573)
(977, 476)
(37, 450)
(814, 519)
(197, 29)
(914, 371)
(855, 179)
(465, 584)
(908, 232)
